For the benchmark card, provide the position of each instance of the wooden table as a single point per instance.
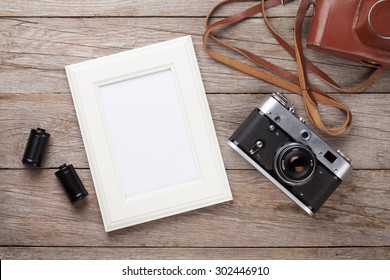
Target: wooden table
(38, 38)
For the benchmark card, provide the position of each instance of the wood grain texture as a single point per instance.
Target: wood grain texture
(36, 212)
(343, 253)
(34, 51)
(125, 8)
(366, 144)
(38, 38)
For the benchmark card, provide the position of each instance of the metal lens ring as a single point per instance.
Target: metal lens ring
(370, 20)
(294, 164)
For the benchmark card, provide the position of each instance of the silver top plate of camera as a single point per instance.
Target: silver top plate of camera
(278, 109)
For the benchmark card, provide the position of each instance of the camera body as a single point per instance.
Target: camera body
(277, 143)
(357, 30)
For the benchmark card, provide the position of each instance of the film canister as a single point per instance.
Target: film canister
(35, 147)
(71, 182)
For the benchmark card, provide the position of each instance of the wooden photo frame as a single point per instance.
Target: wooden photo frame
(148, 133)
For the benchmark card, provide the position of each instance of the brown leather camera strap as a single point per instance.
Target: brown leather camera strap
(279, 76)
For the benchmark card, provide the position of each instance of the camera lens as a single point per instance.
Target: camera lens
(294, 164)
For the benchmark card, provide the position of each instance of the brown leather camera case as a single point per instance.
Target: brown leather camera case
(357, 30)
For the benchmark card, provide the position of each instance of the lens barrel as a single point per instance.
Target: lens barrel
(294, 164)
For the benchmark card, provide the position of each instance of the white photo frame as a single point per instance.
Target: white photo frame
(148, 133)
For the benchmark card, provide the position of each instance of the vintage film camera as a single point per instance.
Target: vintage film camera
(277, 143)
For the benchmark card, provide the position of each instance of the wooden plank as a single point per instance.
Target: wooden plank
(124, 8)
(34, 51)
(366, 143)
(35, 212)
(343, 253)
